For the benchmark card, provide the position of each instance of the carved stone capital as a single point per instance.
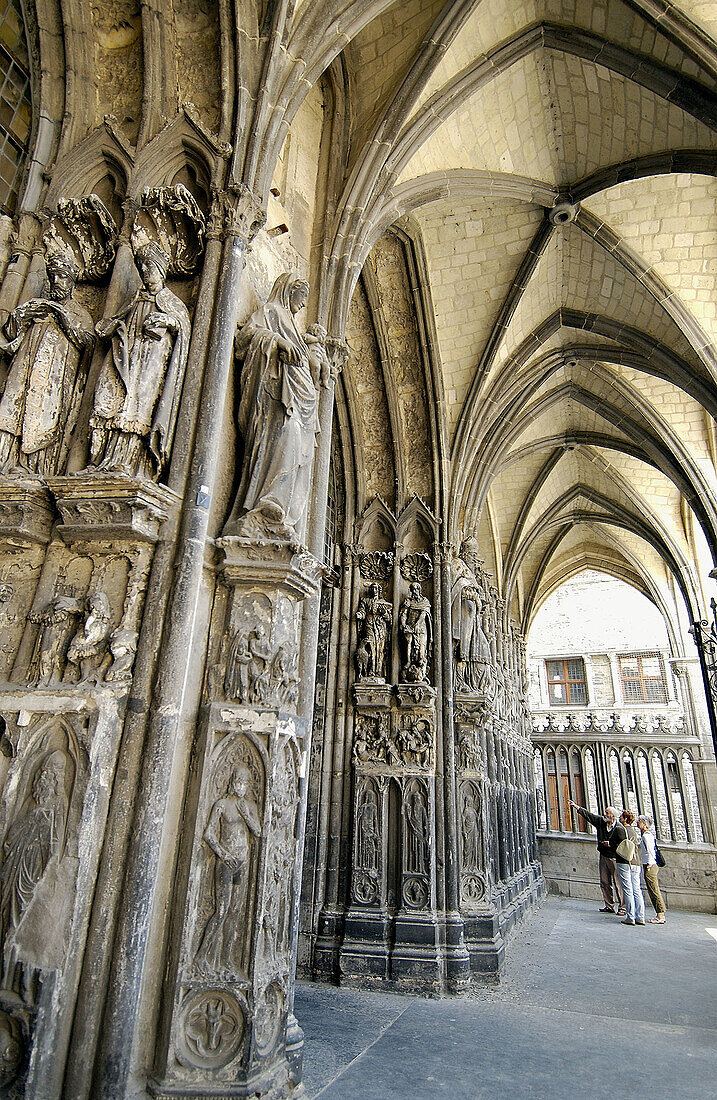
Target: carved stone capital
(373, 696)
(415, 695)
(277, 565)
(25, 512)
(236, 212)
(338, 351)
(100, 508)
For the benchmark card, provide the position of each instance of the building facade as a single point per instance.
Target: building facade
(334, 337)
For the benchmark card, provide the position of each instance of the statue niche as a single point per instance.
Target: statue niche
(281, 372)
(33, 837)
(138, 389)
(233, 823)
(49, 339)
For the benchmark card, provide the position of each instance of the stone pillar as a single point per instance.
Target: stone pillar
(135, 981)
(231, 975)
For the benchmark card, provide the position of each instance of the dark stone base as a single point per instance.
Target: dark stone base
(278, 1083)
(486, 933)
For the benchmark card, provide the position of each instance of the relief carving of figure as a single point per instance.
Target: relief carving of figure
(417, 854)
(31, 840)
(247, 678)
(373, 618)
(470, 831)
(278, 414)
(472, 654)
(367, 832)
(233, 822)
(48, 343)
(89, 651)
(140, 382)
(415, 626)
(56, 624)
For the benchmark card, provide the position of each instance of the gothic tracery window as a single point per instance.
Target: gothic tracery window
(15, 103)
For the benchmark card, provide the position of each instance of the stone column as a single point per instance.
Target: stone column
(231, 974)
(139, 942)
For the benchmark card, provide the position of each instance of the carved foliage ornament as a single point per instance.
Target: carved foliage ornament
(85, 230)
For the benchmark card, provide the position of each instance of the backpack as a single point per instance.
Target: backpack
(659, 858)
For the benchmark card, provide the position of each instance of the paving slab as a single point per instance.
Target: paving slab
(586, 1007)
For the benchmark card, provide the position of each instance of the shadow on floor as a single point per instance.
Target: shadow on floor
(586, 1008)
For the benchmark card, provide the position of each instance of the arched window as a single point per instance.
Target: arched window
(590, 781)
(15, 103)
(693, 805)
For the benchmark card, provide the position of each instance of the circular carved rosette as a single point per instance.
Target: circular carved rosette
(268, 1019)
(211, 1028)
(415, 892)
(473, 889)
(365, 888)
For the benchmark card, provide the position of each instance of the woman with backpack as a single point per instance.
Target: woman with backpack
(649, 852)
(625, 845)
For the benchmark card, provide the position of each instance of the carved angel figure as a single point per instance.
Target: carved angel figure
(233, 821)
(48, 343)
(89, 650)
(278, 414)
(415, 627)
(140, 382)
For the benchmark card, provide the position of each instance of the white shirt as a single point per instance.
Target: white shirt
(647, 850)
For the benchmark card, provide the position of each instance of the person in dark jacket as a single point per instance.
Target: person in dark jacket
(605, 826)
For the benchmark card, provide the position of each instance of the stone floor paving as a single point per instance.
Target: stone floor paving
(586, 1008)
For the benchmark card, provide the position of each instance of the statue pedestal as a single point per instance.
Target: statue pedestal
(372, 694)
(26, 513)
(415, 695)
(101, 509)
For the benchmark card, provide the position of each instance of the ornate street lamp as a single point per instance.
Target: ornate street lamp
(705, 636)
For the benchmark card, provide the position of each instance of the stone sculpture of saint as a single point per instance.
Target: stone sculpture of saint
(367, 839)
(56, 624)
(472, 654)
(140, 382)
(373, 619)
(278, 415)
(471, 835)
(417, 820)
(233, 821)
(89, 651)
(415, 627)
(31, 841)
(49, 341)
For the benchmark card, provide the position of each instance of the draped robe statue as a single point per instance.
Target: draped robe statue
(472, 653)
(278, 415)
(140, 383)
(49, 339)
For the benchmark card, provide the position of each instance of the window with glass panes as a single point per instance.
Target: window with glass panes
(15, 106)
(643, 678)
(566, 682)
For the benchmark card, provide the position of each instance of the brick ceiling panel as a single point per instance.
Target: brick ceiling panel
(543, 118)
(671, 221)
(497, 21)
(577, 273)
(473, 252)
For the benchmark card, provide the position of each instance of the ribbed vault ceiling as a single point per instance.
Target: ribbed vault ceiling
(573, 358)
